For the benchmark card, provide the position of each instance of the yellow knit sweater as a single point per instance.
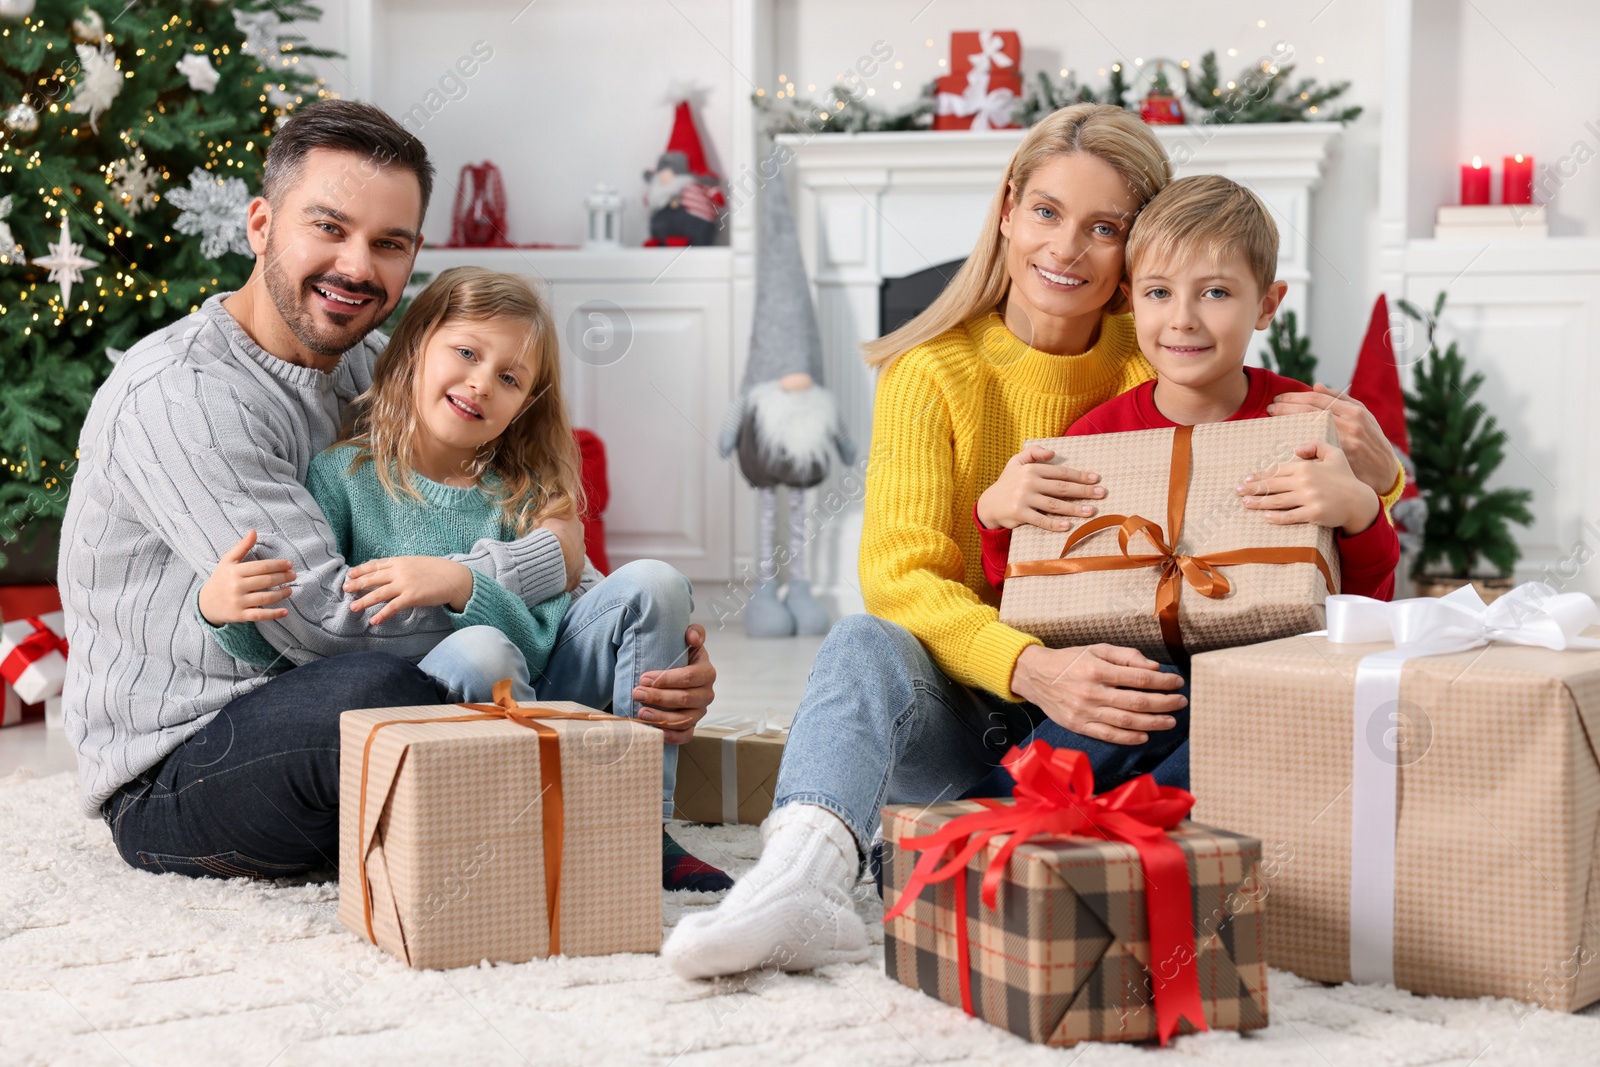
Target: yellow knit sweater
(948, 415)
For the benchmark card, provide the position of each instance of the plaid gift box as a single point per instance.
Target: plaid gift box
(728, 773)
(1120, 577)
(1064, 954)
(1489, 850)
(499, 832)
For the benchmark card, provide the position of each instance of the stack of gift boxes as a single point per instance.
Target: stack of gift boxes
(1395, 793)
(33, 654)
(984, 86)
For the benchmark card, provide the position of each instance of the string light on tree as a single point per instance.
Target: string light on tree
(66, 263)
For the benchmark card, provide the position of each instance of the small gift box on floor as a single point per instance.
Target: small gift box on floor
(728, 773)
(1063, 917)
(33, 656)
(1171, 519)
(14, 712)
(1424, 776)
(499, 832)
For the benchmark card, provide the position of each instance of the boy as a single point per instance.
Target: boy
(1202, 260)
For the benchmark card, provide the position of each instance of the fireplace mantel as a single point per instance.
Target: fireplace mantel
(871, 206)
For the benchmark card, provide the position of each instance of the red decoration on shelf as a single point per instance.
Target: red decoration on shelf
(478, 219)
(1516, 180)
(1161, 111)
(1474, 182)
(984, 85)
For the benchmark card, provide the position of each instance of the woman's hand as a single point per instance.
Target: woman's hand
(240, 590)
(1098, 691)
(1033, 490)
(569, 531)
(401, 582)
(1318, 486)
(675, 699)
(1369, 452)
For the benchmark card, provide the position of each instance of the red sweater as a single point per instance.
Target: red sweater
(1367, 561)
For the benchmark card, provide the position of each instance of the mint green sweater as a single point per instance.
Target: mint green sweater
(368, 524)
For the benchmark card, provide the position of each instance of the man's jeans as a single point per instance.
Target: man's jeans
(631, 622)
(880, 723)
(256, 791)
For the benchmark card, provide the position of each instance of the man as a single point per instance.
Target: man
(203, 432)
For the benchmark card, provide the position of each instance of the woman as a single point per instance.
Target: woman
(918, 701)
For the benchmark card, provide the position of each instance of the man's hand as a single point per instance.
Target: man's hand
(1096, 691)
(569, 532)
(1317, 487)
(1370, 454)
(401, 582)
(241, 590)
(1033, 490)
(676, 699)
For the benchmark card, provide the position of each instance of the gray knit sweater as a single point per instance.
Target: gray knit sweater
(197, 436)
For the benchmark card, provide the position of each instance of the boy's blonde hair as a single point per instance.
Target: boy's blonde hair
(535, 462)
(1100, 130)
(1210, 213)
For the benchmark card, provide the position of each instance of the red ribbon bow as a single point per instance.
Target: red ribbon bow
(1055, 796)
(31, 649)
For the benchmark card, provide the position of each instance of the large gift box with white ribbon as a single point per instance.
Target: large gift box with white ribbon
(1173, 563)
(33, 656)
(728, 773)
(1425, 774)
(499, 832)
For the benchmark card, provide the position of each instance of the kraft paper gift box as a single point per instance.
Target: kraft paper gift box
(1172, 563)
(1065, 953)
(1440, 834)
(729, 773)
(490, 839)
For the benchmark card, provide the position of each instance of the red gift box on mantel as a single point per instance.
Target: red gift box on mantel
(984, 86)
(991, 50)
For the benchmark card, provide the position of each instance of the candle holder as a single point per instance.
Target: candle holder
(604, 205)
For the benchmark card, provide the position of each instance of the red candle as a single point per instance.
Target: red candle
(1516, 181)
(1474, 182)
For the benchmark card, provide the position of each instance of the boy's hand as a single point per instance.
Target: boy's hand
(1033, 490)
(241, 590)
(1369, 453)
(1320, 487)
(401, 582)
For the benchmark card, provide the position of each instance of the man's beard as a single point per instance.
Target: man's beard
(294, 307)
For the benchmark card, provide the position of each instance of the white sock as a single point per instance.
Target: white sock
(792, 912)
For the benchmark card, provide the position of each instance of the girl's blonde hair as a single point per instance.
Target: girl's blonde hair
(534, 463)
(1101, 130)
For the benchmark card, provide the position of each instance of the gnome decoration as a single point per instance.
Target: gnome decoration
(684, 196)
(1376, 383)
(784, 425)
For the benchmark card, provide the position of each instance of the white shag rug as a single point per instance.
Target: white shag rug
(102, 964)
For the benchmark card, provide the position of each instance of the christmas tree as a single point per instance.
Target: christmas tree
(132, 139)
(1456, 447)
(1288, 353)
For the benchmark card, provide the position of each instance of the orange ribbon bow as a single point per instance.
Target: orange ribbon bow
(1176, 567)
(504, 707)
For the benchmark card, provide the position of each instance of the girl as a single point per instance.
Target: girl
(464, 436)
(1029, 335)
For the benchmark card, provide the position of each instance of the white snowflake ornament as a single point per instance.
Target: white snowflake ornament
(261, 38)
(203, 77)
(10, 250)
(66, 263)
(98, 85)
(213, 207)
(133, 183)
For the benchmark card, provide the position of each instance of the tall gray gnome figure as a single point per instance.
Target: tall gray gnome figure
(783, 424)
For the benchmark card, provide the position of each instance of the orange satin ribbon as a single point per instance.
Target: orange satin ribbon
(1176, 568)
(504, 707)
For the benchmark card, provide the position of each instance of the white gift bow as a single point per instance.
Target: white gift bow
(730, 761)
(989, 109)
(991, 51)
(1531, 614)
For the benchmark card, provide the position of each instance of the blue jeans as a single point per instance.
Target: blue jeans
(631, 622)
(881, 723)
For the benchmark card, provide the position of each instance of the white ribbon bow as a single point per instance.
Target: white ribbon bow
(991, 51)
(989, 109)
(1531, 614)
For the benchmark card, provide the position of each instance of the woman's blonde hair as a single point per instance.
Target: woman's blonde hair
(1101, 130)
(534, 463)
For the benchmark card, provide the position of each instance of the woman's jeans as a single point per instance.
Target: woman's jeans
(881, 724)
(630, 623)
(255, 792)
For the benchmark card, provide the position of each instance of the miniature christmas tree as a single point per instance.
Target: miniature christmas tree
(132, 139)
(1457, 447)
(1287, 352)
